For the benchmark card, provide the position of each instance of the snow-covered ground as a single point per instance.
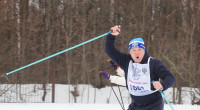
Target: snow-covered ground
(89, 98)
(67, 106)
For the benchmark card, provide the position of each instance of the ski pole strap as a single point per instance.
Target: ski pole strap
(56, 54)
(164, 97)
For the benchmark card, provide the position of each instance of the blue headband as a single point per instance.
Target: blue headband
(136, 43)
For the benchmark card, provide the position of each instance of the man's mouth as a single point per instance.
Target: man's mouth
(137, 57)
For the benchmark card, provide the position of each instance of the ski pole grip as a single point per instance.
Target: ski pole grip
(117, 30)
(164, 97)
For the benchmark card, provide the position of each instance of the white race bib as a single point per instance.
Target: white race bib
(138, 79)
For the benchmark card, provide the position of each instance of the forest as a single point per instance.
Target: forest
(33, 29)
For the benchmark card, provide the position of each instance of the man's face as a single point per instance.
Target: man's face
(137, 54)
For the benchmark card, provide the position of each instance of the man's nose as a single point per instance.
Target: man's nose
(136, 53)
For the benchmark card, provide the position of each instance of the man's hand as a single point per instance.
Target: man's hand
(157, 85)
(104, 74)
(116, 30)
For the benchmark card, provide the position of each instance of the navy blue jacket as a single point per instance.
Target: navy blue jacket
(157, 70)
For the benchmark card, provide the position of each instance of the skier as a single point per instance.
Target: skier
(140, 70)
(118, 79)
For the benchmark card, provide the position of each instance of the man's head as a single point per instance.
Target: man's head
(137, 49)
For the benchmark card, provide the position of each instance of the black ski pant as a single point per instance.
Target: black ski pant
(156, 105)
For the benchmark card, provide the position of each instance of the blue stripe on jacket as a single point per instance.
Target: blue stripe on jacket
(157, 70)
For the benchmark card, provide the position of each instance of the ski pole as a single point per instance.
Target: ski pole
(121, 96)
(6, 74)
(164, 97)
(121, 103)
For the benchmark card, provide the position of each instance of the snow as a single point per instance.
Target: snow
(78, 106)
(89, 98)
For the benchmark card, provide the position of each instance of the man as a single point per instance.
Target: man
(140, 70)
